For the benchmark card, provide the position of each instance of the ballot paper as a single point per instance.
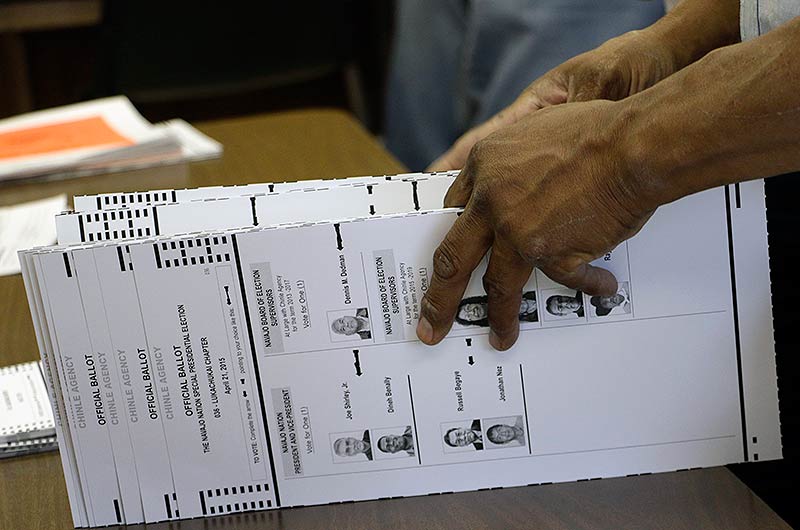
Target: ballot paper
(93, 137)
(317, 202)
(27, 225)
(428, 200)
(269, 359)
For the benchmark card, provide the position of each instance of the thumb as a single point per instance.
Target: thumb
(541, 93)
(456, 156)
(461, 189)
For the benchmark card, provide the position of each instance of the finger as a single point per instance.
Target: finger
(587, 92)
(453, 262)
(505, 277)
(461, 189)
(587, 278)
(456, 156)
(593, 85)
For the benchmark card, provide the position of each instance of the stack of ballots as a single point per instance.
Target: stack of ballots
(95, 137)
(228, 349)
(26, 418)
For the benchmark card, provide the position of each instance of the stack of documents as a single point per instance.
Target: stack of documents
(95, 137)
(26, 418)
(229, 349)
(25, 225)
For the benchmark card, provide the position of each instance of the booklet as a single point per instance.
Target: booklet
(207, 370)
(92, 137)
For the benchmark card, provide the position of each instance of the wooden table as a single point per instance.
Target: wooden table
(314, 144)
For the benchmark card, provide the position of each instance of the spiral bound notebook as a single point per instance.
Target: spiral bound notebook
(26, 417)
(28, 447)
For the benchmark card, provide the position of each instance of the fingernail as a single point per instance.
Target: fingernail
(425, 331)
(499, 344)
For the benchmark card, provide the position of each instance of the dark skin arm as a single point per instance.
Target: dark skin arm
(621, 67)
(563, 185)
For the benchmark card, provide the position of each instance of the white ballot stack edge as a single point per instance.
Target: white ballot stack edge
(221, 207)
(26, 419)
(110, 201)
(231, 349)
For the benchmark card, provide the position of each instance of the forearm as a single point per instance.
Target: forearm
(696, 27)
(730, 117)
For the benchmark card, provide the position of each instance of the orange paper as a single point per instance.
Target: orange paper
(86, 132)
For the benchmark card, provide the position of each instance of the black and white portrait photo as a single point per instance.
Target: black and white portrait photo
(474, 310)
(349, 324)
(616, 304)
(351, 446)
(394, 442)
(563, 304)
(461, 436)
(503, 432)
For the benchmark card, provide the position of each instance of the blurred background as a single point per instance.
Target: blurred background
(415, 73)
(198, 61)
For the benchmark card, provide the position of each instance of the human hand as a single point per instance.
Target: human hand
(553, 190)
(619, 68)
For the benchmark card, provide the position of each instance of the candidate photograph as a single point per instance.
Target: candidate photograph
(351, 447)
(395, 442)
(617, 304)
(563, 304)
(504, 432)
(349, 324)
(462, 436)
(474, 310)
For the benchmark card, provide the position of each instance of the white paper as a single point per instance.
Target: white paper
(287, 371)
(27, 225)
(157, 491)
(110, 396)
(138, 373)
(47, 354)
(24, 407)
(195, 323)
(107, 201)
(195, 146)
(347, 200)
(79, 375)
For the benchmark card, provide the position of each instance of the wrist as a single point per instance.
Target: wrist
(730, 117)
(670, 145)
(696, 27)
(639, 142)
